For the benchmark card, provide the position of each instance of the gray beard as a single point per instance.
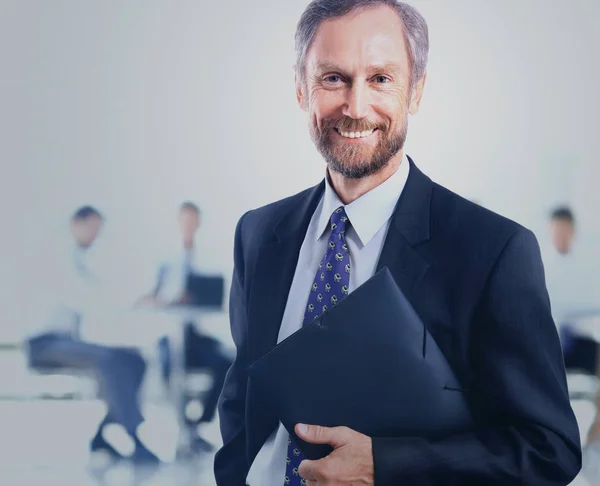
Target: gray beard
(347, 160)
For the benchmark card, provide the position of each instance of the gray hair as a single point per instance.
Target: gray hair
(416, 34)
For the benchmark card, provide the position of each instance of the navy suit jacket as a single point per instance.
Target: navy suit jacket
(476, 280)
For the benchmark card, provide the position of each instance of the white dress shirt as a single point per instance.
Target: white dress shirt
(174, 271)
(572, 282)
(74, 286)
(176, 265)
(369, 218)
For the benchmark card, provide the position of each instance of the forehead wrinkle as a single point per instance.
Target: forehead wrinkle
(323, 66)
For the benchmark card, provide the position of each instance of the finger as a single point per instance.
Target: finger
(317, 434)
(308, 469)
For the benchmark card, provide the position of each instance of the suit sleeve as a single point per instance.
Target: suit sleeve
(231, 464)
(519, 383)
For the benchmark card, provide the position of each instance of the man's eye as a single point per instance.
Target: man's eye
(382, 79)
(333, 78)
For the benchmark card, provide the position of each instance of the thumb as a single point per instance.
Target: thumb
(317, 434)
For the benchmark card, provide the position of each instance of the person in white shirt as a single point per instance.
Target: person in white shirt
(200, 351)
(58, 347)
(569, 277)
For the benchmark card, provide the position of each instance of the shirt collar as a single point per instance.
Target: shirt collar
(371, 211)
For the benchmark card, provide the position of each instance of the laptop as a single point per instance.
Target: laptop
(206, 291)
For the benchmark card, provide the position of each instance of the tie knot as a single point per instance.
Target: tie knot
(339, 220)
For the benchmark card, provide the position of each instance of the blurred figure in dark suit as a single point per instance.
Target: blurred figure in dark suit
(59, 347)
(201, 352)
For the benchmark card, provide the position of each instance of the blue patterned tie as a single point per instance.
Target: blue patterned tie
(329, 287)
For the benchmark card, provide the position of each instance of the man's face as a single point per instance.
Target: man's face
(189, 221)
(85, 231)
(356, 90)
(562, 231)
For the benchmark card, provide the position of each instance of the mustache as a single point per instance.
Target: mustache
(347, 124)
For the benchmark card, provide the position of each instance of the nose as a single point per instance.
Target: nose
(357, 104)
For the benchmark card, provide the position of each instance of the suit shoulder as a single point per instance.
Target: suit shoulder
(261, 220)
(455, 216)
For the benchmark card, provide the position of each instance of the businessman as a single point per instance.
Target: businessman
(200, 350)
(571, 277)
(78, 287)
(475, 279)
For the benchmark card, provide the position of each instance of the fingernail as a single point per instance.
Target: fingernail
(303, 429)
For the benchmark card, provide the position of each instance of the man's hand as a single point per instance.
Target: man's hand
(350, 463)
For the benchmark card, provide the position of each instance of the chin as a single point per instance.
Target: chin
(356, 170)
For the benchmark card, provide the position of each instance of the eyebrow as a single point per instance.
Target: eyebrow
(377, 68)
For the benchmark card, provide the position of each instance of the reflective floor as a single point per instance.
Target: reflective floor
(45, 442)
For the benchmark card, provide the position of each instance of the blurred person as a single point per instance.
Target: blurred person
(562, 228)
(475, 279)
(200, 351)
(570, 276)
(79, 288)
(570, 289)
(170, 284)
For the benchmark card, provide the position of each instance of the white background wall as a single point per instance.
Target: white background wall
(135, 106)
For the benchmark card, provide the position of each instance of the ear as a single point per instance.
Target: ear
(300, 95)
(416, 95)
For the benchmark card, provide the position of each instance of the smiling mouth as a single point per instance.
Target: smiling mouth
(364, 134)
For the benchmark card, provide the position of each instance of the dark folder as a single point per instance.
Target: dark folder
(369, 364)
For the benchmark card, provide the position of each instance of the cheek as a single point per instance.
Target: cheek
(391, 106)
(395, 107)
(325, 104)
(394, 113)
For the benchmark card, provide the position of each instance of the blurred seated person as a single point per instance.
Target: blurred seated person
(78, 288)
(571, 291)
(201, 352)
(570, 278)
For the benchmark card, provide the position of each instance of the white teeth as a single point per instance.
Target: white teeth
(366, 133)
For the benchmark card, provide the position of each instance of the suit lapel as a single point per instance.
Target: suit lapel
(408, 228)
(275, 267)
(274, 272)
